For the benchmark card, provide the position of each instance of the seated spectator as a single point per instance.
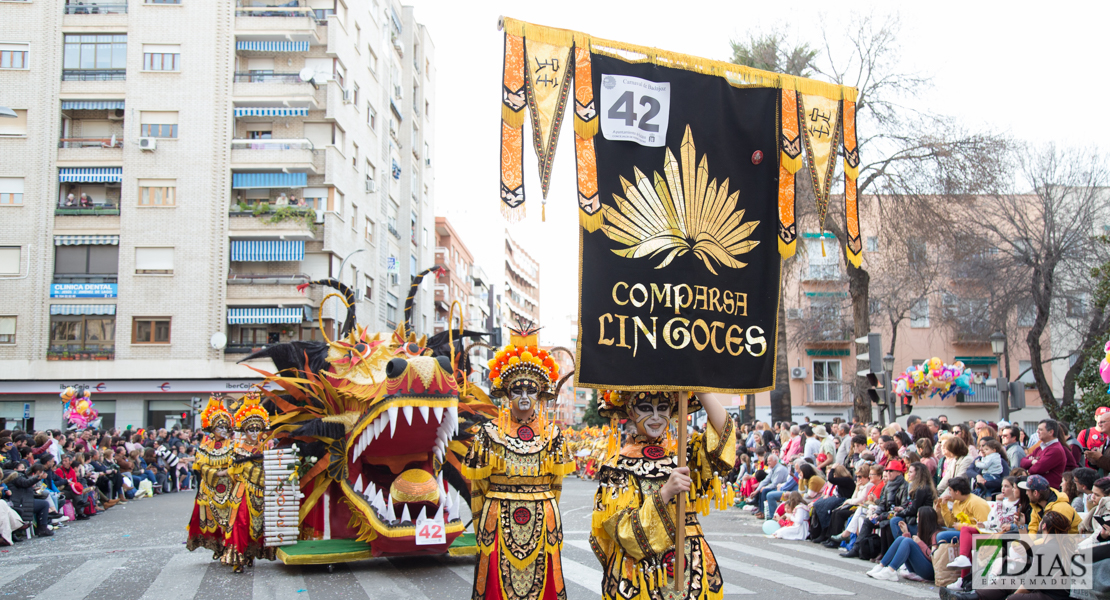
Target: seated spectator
(1083, 499)
(956, 461)
(1050, 459)
(866, 479)
(989, 468)
(1100, 506)
(795, 523)
(843, 487)
(1044, 499)
(914, 550)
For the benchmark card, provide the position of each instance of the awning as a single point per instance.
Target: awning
(817, 352)
(82, 309)
(247, 181)
(244, 316)
(90, 175)
(92, 104)
(267, 250)
(248, 111)
(273, 46)
(86, 240)
(826, 294)
(972, 361)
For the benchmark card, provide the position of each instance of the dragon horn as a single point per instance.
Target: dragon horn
(348, 295)
(411, 300)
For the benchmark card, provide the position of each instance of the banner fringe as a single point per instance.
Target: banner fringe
(743, 75)
(513, 214)
(850, 171)
(590, 223)
(585, 129)
(792, 164)
(512, 118)
(787, 250)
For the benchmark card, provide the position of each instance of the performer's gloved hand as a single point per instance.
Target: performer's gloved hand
(678, 482)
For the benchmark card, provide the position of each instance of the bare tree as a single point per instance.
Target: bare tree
(1050, 232)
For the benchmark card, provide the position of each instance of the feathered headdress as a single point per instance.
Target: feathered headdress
(214, 413)
(523, 359)
(251, 410)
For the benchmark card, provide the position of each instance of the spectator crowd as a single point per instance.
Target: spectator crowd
(52, 477)
(910, 498)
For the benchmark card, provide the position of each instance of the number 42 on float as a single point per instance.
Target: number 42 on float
(430, 532)
(635, 110)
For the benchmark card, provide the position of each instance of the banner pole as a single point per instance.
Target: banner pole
(680, 511)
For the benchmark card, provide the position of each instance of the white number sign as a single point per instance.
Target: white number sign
(430, 531)
(635, 110)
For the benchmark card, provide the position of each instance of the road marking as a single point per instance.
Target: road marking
(462, 571)
(729, 589)
(90, 551)
(276, 581)
(81, 581)
(180, 578)
(781, 578)
(9, 573)
(381, 579)
(899, 588)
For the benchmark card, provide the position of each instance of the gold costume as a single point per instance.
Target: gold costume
(211, 513)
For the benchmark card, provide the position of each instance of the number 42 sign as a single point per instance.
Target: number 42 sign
(635, 110)
(430, 532)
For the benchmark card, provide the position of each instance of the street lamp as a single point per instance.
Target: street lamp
(888, 363)
(998, 343)
(998, 347)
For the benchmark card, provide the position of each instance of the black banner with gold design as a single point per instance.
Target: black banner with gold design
(679, 286)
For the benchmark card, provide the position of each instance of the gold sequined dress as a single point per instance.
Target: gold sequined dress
(209, 523)
(516, 473)
(633, 530)
(244, 536)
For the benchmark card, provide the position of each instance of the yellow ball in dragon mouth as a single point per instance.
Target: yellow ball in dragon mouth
(415, 485)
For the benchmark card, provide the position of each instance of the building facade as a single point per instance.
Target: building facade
(520, 295)
(454, 281)
(177, 169)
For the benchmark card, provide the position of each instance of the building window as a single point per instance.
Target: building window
(823, 257)
(369, 288)
(86, 261)
(413, 268)
(919, 314)
(150, 330)
(254, 335)
(10, 259)
(371, 117)
(11, 191)
(96, 57)
(7, 329)
(390, 310)
(161, 57)
(163, 1)
(872, 243)
(13, 56)
(1077, 306)
(16, 127)
(826, 381)
(354, 95)
(157, 192)
(369, 231)
(154, 261)
(159, 124)
(1025, 372)
(372, 61)
(425, 237)
(73, 334)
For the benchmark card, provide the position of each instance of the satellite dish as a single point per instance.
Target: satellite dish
(219, 341)
(307, 74)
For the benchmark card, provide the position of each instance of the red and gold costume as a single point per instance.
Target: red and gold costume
(516, 471)
(633, 530)
(209, 523)
(244, 537)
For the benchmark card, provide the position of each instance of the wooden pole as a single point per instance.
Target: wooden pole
(680, 511)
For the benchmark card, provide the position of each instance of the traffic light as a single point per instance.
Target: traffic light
(185, 415)
(875, 389)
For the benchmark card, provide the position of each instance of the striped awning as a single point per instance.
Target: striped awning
(82, 309)
(251, 111)
(244, 316)
(86, 240)
(91, 104)
(90, 175)
(272, 46)
(267, 250)
(246, 181)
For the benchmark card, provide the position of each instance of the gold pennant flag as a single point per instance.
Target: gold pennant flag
(854, 247)
(789, 163)
(585, 128)
(820, 121)
(548, 70)
(512, 129)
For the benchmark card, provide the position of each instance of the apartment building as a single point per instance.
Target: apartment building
(178, 167)
(453, 283)
(520, 296)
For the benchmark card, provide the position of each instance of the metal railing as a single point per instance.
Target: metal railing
(94, 74)
(829, 392)
(248, 77)
(267, 279)
(820, 328)
(822, 272)
(95, 8)
(984, 394)
(94, 211)
(85, 278)
(271, 144)
(275, 11)
(90, 143)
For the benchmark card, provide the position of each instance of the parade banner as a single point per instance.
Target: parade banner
(679, 285)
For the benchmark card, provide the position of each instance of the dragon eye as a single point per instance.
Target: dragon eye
(361, 348)
(444, 363)
(395, 367)
(412, 348)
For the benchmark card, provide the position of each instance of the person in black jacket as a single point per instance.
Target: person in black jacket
(23, 499)
(869, 544)
(922, 492)
(822, 509)
(9, 451)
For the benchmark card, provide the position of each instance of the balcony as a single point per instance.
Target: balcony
(822, 272)
(984, 394)
(78, 355)
(95, 14)
(287, 154)
(823, 328)
(95, 8)
(275, 89)
(273, 288)
(287, 222)
(84, 150)
(289, 22)
(829, 392)
(93, 211)
(94, 74)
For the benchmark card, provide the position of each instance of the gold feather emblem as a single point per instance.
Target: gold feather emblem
(679, 212)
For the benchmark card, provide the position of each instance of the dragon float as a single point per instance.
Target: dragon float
(380, 427)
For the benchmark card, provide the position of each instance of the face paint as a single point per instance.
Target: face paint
(221, 431)
(651, 411)
(523, 393)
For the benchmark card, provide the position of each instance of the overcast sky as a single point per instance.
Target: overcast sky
(1035, 71)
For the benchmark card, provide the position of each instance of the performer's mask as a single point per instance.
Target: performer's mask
(220, 431)
(252, 430)
(651, 411)
(524, 393)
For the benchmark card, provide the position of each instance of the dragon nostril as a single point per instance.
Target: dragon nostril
(444, 363)
(395, 367)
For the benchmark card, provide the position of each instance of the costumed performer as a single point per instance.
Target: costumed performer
(634, 524)
(244, 538)
(516, 466)
(209, 523)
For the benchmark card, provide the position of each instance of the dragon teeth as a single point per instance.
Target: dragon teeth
(421, 516)
(358, 484)
(407, 411)
(392, 411)
(424, 412)
(438, 412)
(405, 514)
(439, 513)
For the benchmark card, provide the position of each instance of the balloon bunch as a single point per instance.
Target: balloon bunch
(1104, 366)
(934, 377)
(77, 407)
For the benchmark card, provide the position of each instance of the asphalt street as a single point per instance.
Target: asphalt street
(136, 551)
